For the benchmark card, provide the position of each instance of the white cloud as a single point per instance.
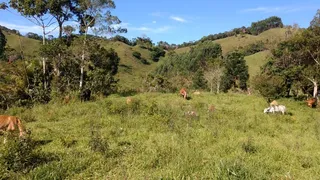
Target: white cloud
(152, 30)
(154, 22)
(283, 9)
(29, 28)
(179, 19)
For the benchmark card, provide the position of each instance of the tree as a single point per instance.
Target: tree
(96, 13)
(198, 80)
(316, 20)
(61, 10)
(103, 67)
(213, 75)
(3, 43)
(68, 30)
(35, 11)
(33, 36)
(156, 53)
(236, 72)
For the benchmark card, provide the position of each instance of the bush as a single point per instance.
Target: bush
(270, 87)
(21, 155)
(144, 61)
(136, 54)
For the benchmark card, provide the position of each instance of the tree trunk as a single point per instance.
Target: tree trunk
(60, 29)
(44, 59)
(83, 59)
(315, 89)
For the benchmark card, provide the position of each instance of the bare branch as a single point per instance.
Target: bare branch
(313, 57)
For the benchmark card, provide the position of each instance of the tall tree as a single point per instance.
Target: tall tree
(36, 12)
(236, 72)
(61, 10)
(96, 13)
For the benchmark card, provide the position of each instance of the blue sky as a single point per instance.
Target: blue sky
(178, 21)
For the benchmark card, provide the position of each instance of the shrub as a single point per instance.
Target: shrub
(21, 155)
(270, 87)
(136, 54)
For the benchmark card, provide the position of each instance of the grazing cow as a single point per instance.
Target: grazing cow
(85, 95)
(312, 102)
(274, 109)
(183, 92)
(9, 124)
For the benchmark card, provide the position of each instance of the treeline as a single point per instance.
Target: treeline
(203, 67)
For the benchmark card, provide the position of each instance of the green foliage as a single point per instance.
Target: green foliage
(263, 25)
(157, 83)
(21, 155)
(198, 80)
(143, 42)
(270, 87)
(3, 43)
(103, 67)
(156, 53)
(236, 72)
(136, 54)
(255, 29)
(33, 36)
(253, 48)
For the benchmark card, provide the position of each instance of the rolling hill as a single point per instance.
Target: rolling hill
(270, 37)
(132, 71)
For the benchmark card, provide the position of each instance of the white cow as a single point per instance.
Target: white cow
(274, 109)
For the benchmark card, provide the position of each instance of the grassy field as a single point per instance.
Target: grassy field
(231, 43)
(29, 46)
(255, 61)
(153, 138)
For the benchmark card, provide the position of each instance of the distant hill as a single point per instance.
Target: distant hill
(270, 37)
(29, 46)
(132, 70)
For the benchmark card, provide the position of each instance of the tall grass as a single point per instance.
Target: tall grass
(154, 138)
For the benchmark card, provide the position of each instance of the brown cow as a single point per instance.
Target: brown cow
(183, 92)
(9, 124)
(312, 102)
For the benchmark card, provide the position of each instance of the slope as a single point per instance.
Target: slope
(29, 46)
(270, 37)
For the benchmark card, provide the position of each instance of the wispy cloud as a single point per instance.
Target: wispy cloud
(152, 30)
(28, 28)
(282, 9)
(179, 19)
(154, 22)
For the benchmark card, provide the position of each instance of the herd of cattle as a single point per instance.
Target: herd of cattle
(8, 124)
